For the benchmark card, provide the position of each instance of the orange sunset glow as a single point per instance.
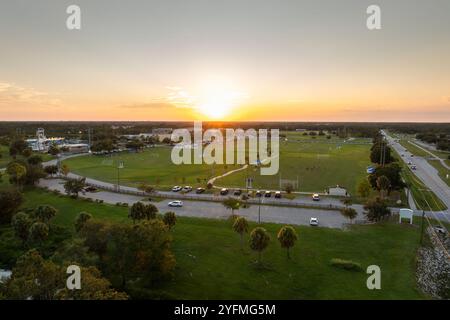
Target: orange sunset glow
(144, 66)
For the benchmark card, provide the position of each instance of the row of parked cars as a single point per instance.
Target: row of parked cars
(238, 192)
(187, 189)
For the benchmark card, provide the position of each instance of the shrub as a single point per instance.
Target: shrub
(346, 264)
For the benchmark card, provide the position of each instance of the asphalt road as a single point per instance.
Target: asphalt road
(207, 209)
(426, 173)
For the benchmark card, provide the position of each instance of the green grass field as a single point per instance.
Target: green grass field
(211, 265)
(319, 163)
(152, 166)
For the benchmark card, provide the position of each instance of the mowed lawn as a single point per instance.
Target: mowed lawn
(152, 166)
(211, 264)
(317, 163)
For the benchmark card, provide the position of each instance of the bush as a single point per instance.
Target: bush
(346, 264)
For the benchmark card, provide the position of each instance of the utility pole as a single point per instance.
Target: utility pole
(119, 166)
(421, 232)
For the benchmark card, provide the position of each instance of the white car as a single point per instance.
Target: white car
(176, 188)
(316, 197)
(187, 189)
(176, 203)
(313, 222)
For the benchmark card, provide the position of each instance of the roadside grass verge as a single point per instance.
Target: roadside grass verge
(212, 265)
(442, 171)
(424, 198)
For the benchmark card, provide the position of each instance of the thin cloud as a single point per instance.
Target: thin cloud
(14, 95)
(150, 105)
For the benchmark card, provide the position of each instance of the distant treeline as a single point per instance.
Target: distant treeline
(100, 130)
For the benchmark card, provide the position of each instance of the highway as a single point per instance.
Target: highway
(426, 173)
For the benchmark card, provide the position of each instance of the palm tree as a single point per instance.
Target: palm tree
(287, 237)
(150, 211)
(233, 204)
(259, 240)
(241, 226)
(44, 213)
(137, 211)
(383, 184)
(169, 219)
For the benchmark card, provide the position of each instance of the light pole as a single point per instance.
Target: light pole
(119, 166)
(259, 209)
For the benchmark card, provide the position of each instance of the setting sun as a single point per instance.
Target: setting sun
(218, 99)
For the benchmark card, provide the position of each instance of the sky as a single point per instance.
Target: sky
(252, 60)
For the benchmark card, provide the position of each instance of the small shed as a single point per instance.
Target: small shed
(405, 214)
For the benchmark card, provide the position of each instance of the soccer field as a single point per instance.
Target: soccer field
(317, 163)
(152, 166)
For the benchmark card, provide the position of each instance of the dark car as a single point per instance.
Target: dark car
(237, 192)
(199, 190)
(258, 193)
(267, 194)
(278, 194)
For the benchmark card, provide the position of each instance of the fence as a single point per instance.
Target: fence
(209, 197)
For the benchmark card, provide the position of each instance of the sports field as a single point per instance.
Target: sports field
(152, 166)
(317, 162)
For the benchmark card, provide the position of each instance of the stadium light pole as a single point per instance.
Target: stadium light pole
(119, 166)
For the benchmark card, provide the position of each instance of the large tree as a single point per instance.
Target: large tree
(34, 278)
(383, 185)
(44, 213)
(376, 210)
(287, 237)
(17, 147)
(73, 187)
(93, 287)
(38, 232)
(34, 160)
(21, 225)
(392, 172)
(259, 240)
(139, 252)
(17, 173)
(10, 201)
(38, 279)
(381, 153)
